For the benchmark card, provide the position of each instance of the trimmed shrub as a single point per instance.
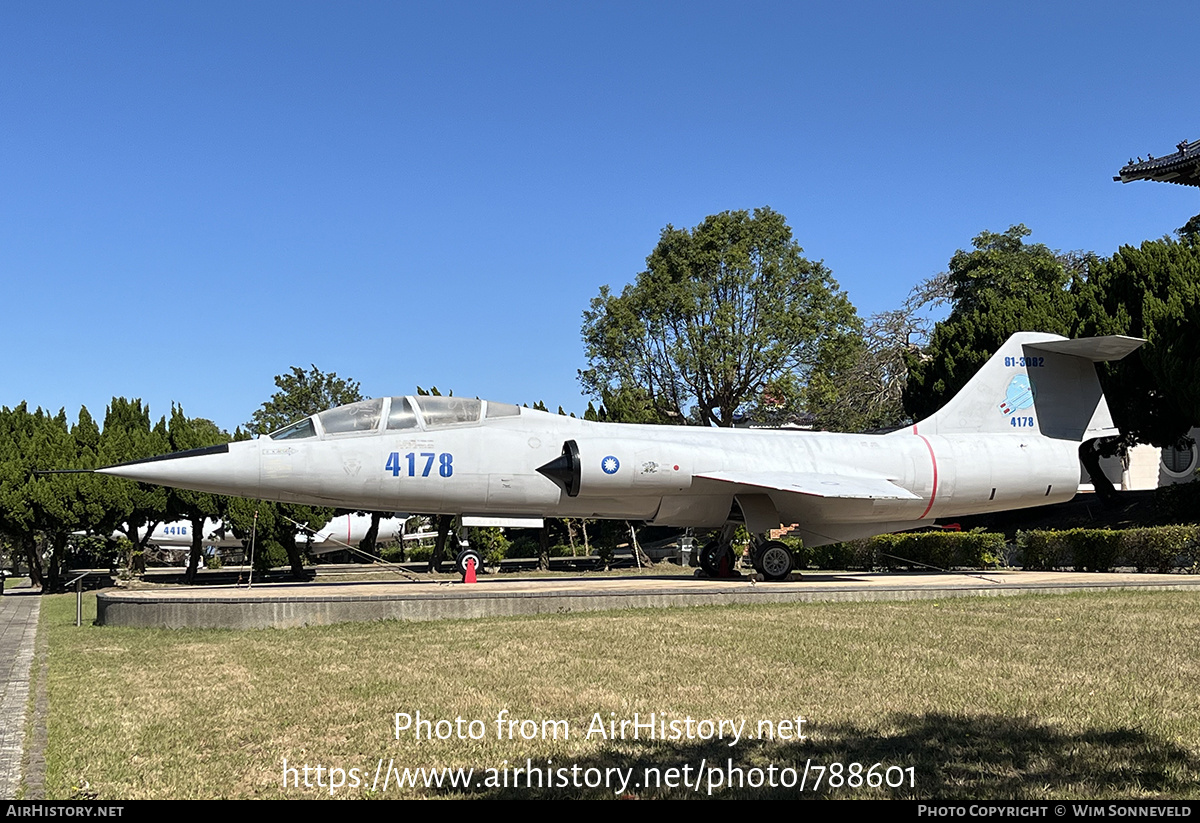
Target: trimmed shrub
(939, 550)
(1095, 550)
(491, 543)
(1162, 548)
(1042, 551)
(421, 553)
(1083, 549)
(907, 550)
(270, 554)
(836, 555)
(528, 546)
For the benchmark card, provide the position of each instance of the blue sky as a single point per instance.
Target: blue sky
(197, 196)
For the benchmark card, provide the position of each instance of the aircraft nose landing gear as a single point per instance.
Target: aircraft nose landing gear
(468, 559)
(460, 562)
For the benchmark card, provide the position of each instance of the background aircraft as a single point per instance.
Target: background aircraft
(340, 532)
(1008, 440)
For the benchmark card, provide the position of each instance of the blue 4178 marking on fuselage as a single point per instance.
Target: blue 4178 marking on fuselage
(1020, 422)
(395, 465)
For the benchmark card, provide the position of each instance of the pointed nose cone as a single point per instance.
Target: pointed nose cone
(564, 470)
(230, 468)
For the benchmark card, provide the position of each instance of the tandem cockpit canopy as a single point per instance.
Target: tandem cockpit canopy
(386, 414)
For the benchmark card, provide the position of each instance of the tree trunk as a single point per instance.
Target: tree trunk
(189, 577)
(439, 547)
(543, 549)
(137, 561)
(1089, 455)
(295, 559)
(368, 542)
(34, 561)
(58, 548)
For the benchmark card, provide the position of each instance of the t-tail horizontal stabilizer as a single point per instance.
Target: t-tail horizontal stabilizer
(1035, 383)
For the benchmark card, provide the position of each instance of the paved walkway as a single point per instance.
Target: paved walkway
(18, 628)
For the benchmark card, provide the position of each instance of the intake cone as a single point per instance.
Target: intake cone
(564, 470)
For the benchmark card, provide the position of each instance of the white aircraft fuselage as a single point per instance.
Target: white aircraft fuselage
(1009, 440)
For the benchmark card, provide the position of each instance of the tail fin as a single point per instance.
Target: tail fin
(1036, 381)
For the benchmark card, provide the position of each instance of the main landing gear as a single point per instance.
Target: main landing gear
(771, 558)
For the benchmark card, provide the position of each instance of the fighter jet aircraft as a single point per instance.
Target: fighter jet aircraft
(1008, 440)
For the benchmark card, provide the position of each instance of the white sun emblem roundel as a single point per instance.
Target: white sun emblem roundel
(610, 464)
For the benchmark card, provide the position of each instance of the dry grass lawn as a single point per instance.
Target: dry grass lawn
(1016, 697)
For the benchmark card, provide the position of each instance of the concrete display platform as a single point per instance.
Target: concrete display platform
(285, 605)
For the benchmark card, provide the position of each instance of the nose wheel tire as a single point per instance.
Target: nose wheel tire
(774, 561)
(460, 562)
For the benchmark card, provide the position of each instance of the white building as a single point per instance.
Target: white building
(1148, 467)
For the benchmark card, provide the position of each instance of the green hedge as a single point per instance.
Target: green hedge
(1160, 549)
(942, 550)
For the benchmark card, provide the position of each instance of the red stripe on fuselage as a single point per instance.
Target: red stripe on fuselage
(933, 458)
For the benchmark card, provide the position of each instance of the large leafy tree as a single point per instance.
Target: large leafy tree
(1003, 285)
(58, 505)
(862, 387)
(722, 312)
(1151, 291)
(24, 437)
(38, 512)
(192, 433)
(301, 393)
(134, 508)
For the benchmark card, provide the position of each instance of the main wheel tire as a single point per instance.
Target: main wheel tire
(717, 560)
(774, 561)
(460, 562)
